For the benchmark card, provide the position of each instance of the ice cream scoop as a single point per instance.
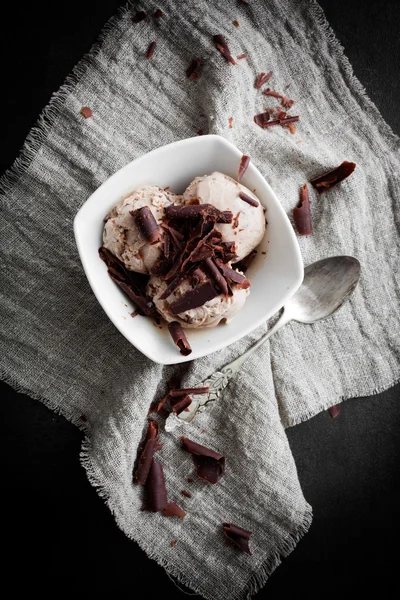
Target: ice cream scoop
(123, 237)
(220, 308)
(223, 192)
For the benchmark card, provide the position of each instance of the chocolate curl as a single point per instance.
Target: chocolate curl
(241, 281)
(286, 102)
(216, 275)
(150, 50)
(262, 78)
(244, 163)
(179, 338)
(222, 46)
(334, 410)
(245, 263)
(174, 510)
(198, 276)
(192, 211)
(193, 70)
(155, 488)
(146, 223)
(194, 299)
(209, 465)
(238, 536)
(151, 445)
(248, 199)
(302, 213)
(327, 180)
(262, 119)
(194, 391)
(180, 404)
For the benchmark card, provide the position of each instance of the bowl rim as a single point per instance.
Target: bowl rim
(86, 208)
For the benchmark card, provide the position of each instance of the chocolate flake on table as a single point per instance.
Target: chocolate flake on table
(334, 410)
(262, 119)
(248, 199)
(193, 70)
(222, 46)
(245, 263)
(241, 56)
(180, 404)
(150, 50)
(190, 480)
(139, 16)
(194, 391)
(286, 102)
(158, 14)
(262, 78)
(147, 224)
(230, 120)
(238, 536)
(282, 121)
(194, 298)
(216, 275)
(186, 494)
(156, 493)
(151, 445)
(200, 132)
(86, 112)
(173, 510)
(241, 281)
(209, 465)
(302, 213)
(244, 163)
(174, 542)
(236, 23)
(179, 338)
(327, 180)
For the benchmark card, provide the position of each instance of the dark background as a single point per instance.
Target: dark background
(57, 535)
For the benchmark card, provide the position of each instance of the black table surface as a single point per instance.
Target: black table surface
(57, 534)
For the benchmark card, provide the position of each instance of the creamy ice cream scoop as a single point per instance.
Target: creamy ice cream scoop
(122, 236)
(219, 309)
(248, 227)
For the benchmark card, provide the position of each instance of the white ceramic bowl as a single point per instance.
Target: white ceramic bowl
(274, 276)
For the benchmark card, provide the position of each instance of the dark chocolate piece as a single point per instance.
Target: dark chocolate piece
(180, 404)
(302, 213)
(244, 163)
(151, 49)
(147, 224)
(228, 252)
(248, 199)
(262, 119)
(179, 338)
(155, 489)
(190, 480)
(173, 510)
(186, 494)
(86, 112)
(158, 14)
(209, 465)
(193, 211)
(194, 298)
(194, 391)
(200, 132)
(262, 78)
(216, 275)
(171, 287)
(139, 16)
(245, 263)
(327, 180)
(334, 410)
(151, 445)
(193, 70)
(236, 23)
(222, 46)
(238, 536)
(241, 281)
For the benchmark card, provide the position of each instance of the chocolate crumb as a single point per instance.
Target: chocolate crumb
(262, 78)
(134, 314)
(241, 56)
(238, 536)
(83, 418)
(158, 14)
(185, 493)
(230, 122)
(193, 70)
(302, 213)
(173, 510)
(236, 23)
(151, 49)
(223, 47)
(86, 112)
(200, 132)
(139, 16)
(190, 480)
(173, 543)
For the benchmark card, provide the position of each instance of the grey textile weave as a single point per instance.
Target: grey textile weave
(57, 344)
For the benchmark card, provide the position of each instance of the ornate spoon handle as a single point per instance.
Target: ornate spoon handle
(218, 381)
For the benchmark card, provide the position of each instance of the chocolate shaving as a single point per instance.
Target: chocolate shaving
(242, 282)
(180, 404)
(215, 273)
(158, 14)
(248, 199)
(194, 298)
(230, 120)
(155, 489)
(186, 494)
(228, 252)
(245, 263)
(238, 536)
(192, 211)
(236, 23)
(209, 465)
(200, 132)
(286, 102)
(146, 223)
(174, 542)
(282, 121)
(190, 480)
(193, 70)
(151, 49)
(198, 276)
(236, 220)
(222, 46)
(167, 243)
(179, 338)
(241, 56)
(262, 119)
(327, 180)
(151, 445)
(302, 213)
(244, 163)
(86, 112)
(173, 510)
(262, 78)
(334, 410)
(194, 391)
(171, 287)
(139, 16)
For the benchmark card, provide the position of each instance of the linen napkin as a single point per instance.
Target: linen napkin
(57, 344)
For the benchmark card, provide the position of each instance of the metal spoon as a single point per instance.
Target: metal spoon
(327, 284)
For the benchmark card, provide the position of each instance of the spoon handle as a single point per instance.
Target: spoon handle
(218, 381)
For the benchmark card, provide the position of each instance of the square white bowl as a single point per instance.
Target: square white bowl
(274, 276)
